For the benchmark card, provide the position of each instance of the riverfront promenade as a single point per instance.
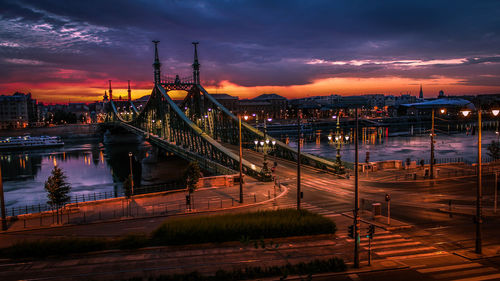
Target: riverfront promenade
(120, 210)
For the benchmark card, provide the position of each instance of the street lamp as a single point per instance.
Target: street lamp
(2, 202)
(241, 157)
(131, 174)
(479, 196)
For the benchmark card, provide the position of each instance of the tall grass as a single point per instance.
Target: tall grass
(187, 230)
(232, 227)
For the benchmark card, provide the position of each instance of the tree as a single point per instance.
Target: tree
(57, 189)
(494, 150)
(191, 178)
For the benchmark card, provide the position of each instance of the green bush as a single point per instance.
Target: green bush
(53, 247)
(232, 227)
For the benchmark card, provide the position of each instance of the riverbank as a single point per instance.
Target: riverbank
(66, 132)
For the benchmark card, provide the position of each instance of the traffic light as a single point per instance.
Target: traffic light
(371, 231)
(351, 231)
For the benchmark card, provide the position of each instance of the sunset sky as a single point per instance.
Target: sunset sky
(64, 51)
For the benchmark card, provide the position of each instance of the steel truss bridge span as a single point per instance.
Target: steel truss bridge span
(197, 130)
(163, 124)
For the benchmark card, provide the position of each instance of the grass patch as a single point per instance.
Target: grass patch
(307, 269)
(243, 227)
(232, 227)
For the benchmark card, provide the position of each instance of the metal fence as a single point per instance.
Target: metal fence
(129, 208)
(93, 196)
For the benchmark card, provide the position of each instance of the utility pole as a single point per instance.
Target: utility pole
(432, 146)
(356, 197)
(479, 219)
(2, 202)
(298, 159)
(241, 165)
(131, 174)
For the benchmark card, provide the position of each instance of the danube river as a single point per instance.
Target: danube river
(91, 166)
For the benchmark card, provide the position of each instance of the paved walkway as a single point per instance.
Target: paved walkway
(148, 205)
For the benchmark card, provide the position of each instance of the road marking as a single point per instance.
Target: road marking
(481, 278)
(438, 253)
(385, 242)
(449, 267)
(385, 253)
(394, 245)
(467, 272)
(353, 276)
(383, 237)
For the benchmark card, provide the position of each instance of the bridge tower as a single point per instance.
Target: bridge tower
(129, 92)
(196, 65)
(110, 91)
(157, 64)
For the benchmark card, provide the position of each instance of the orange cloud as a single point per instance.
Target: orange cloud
(54, 92)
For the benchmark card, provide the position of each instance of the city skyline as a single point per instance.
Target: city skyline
(68, 52)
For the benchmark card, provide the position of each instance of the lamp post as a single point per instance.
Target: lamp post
(479, 194)
(356, 196)
(2, 202)
(241, 157)
(131, 174)
(432, 146)
(298, 159)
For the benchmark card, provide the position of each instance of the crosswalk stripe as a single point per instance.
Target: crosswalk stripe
(449, 267)
(466, 272)
(374, 243)
(383, 237)
(394, 245)
(419, 255)
(481, 278)
(385, 253)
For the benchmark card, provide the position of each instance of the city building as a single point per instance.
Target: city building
(18, 111)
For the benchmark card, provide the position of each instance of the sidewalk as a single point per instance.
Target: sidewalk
(469, 211)
(148, 205)
(379, 221)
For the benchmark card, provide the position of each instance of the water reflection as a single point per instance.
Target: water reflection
(378, 145)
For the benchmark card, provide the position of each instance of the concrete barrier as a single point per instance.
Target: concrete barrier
(217, 181)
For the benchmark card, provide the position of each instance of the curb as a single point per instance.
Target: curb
(381, 225)
(347, 272)
(458, 213)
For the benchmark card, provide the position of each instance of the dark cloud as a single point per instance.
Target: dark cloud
(251, 42)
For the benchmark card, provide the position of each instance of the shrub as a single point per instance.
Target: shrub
(231, 227)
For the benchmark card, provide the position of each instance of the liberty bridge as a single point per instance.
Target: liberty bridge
(200, 128)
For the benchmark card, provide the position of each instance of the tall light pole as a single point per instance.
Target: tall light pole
(298, 159)
(479, 215)
(356, 196)
(2, 201)
(479, 194)
(131, 173)
(241, 158)
(432, 146)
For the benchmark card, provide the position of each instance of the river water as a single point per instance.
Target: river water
(91, 166)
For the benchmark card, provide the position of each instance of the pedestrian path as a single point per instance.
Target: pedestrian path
(469, 271)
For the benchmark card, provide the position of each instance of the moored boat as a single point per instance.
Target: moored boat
(28, 142)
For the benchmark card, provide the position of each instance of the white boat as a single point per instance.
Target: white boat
(27, 142)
